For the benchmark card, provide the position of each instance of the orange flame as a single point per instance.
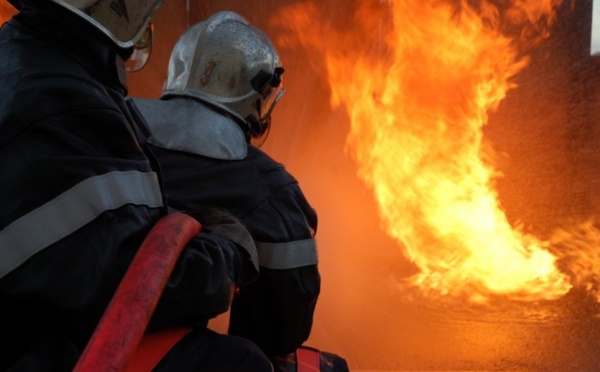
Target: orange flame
(6, 11)
(418, 79)
(577, 250)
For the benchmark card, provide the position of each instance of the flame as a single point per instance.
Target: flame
(418, 79)
(6, 11)
(578, 255)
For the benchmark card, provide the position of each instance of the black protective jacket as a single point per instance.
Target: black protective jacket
(79, 195)
(206, 160)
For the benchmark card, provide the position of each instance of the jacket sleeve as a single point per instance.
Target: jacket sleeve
(218, 261)
(73, 217)
(276, 311)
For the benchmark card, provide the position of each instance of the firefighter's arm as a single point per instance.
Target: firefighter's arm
(211, 267)
(224, 223)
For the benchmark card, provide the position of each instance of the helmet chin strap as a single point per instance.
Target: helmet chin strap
(257, 127)
(259, 131)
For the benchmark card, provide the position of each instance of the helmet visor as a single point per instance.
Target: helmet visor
(260, 133)
(269, 102)
(260, 140)
(141, 51)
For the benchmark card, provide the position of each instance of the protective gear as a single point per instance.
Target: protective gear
(141, 50)
(199, 129)
(232, 65)
(308, 359)
(207, 161)
(68, 146)
(122, 21)
(224, 223)
(275, 311)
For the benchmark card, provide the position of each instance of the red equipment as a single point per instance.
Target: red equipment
(122, 326)
(119, 343)
(308, 359)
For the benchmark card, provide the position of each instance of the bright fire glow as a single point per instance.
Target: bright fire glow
(6, 11)
(418, 79)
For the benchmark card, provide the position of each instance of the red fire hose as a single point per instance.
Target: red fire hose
(124, 322)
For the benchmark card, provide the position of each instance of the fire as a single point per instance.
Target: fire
(418, 80)
(6, 11)
(578, 255)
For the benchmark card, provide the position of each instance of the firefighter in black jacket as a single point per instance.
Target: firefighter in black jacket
(79, 195)
(224, 79)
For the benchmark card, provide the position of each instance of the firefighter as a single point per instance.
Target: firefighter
(224, 79)
(79, 195)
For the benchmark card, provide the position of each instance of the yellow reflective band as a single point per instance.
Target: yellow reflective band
(287, 255)
(73, 209)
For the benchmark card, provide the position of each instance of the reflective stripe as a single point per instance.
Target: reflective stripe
(287, 255)
(73, 209)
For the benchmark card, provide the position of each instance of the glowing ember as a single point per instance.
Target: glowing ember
(418, 79)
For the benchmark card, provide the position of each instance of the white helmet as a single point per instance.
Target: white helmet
(232, 65)
(124, 21)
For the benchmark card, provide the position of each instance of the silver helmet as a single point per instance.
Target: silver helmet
(124, 21)
(233, 66)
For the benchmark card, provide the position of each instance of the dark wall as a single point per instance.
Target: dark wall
(547, 129)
